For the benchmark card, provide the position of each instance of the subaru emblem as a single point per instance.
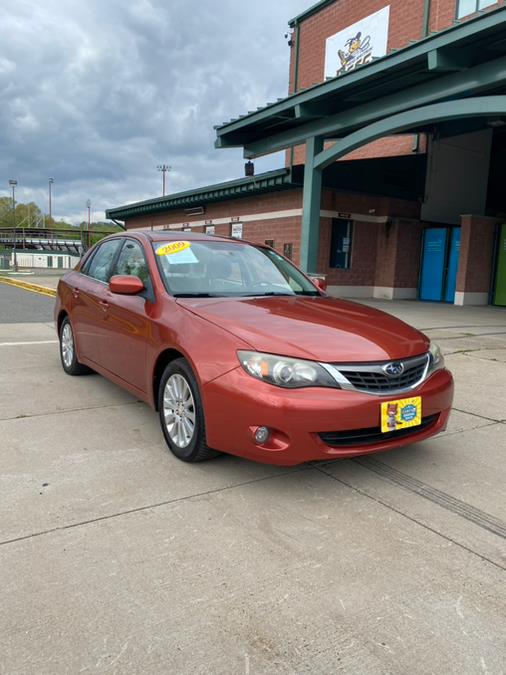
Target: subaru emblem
(394, 369)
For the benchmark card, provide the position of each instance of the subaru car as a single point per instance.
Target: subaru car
(240, 352)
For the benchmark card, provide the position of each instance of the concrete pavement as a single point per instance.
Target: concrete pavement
(117, 558)
(20, 306)
(44, 277)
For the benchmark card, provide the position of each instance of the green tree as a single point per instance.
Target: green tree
(6, 218)
(28, 215)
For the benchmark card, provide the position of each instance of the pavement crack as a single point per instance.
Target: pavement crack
(410, 518)
(466, 325)
(465, 431)
(482, 417)
(67, 410)
(148, 507)
(461, 336)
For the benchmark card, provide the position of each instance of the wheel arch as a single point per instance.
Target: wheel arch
(162, 361)
(61, 316)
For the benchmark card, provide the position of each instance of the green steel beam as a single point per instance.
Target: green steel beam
(483, 106)
(470, 81)
(413, 54)
(310, 229)
(304, 111)
(448, 60)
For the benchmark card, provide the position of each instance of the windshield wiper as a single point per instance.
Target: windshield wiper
(197, 295)
(271, 295)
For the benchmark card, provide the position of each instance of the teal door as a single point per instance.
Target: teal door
(433, 264)
(453, 265)
(440, 262)
(500, 277)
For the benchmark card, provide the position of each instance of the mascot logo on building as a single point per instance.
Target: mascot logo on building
(356, 52)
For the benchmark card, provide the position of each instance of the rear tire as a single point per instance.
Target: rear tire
(68, 351)
(181, 413)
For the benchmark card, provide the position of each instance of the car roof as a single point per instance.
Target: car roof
(178, 235)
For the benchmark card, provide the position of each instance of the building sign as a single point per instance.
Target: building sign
(236, 230)
(210, 229)
(358, 44)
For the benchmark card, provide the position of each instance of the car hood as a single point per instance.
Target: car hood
(319, 328)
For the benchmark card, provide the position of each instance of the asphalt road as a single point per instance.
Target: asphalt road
(20, 306)
(117, 558)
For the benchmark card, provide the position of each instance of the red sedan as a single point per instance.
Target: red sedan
(241, 353)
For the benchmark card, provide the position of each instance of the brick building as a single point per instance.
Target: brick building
(414, 212)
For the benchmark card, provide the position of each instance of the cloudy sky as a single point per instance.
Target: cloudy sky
(96, 94)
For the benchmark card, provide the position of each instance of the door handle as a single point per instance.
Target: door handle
(76, 292)
(104, 304)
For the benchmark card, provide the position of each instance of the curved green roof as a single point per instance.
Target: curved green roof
(281, 179)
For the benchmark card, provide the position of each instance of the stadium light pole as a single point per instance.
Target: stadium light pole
(164, 168)
(88, 206)
(13, 184)
(50, 181)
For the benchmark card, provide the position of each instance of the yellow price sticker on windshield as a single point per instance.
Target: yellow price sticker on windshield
(173, 247)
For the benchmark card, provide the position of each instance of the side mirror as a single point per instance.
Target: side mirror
(319, 281)
(125, 285)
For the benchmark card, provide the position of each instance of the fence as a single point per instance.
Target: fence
(38, 260)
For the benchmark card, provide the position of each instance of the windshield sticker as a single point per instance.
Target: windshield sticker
(173, 247)
(177, 253)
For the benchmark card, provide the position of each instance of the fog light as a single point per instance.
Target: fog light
(262, 435)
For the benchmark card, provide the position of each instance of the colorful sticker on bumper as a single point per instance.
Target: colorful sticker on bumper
(401, 414)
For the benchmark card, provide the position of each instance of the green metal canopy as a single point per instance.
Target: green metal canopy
(465, 60)
(454, 79)
(243, 187)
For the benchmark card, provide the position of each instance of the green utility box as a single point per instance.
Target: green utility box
(500, 277)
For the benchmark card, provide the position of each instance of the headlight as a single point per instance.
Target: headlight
(284, 371)
(436, 359)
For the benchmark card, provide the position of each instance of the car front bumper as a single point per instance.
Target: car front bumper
(236, 404)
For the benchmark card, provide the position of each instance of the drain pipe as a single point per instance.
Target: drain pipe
(426, 18)
(425, 33)
(295, 80)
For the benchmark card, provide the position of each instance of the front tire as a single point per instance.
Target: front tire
(68, 350)
(181, 413)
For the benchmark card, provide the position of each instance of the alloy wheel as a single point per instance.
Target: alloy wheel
(179, 410)
(67, 345)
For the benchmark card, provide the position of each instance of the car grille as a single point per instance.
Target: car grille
(373, 435)
(373, 379)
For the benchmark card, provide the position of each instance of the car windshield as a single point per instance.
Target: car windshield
(227, 269)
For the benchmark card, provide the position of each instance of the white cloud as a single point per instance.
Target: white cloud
(97, 94)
